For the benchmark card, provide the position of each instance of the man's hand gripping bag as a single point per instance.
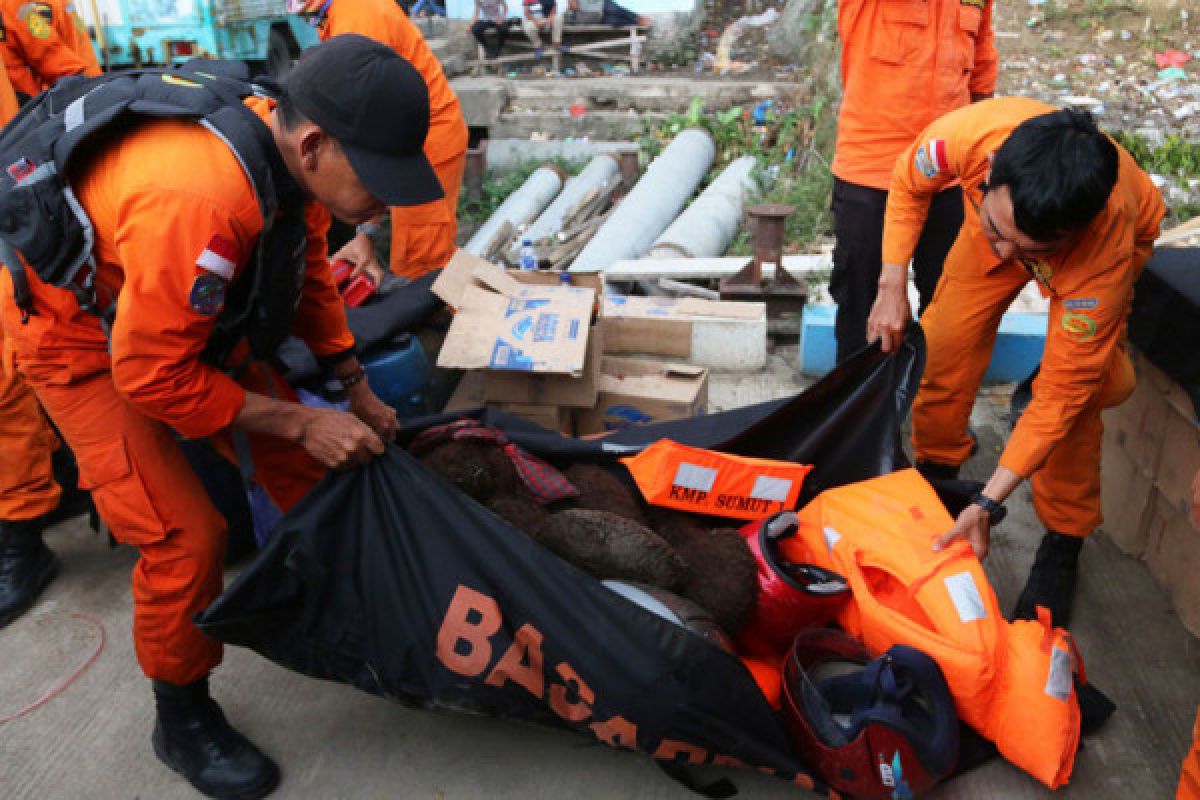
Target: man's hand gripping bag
(1012, 682)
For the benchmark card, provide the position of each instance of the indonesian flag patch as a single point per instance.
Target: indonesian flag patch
(931, 158)
(219, 257)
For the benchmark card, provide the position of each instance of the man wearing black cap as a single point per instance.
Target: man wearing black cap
(177, 224)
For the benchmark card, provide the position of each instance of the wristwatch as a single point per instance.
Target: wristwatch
(996, 512)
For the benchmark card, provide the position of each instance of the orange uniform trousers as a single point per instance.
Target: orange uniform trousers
(960, 327)
(27, 442)
(424, 237)
(151, 499)
(1189, 780)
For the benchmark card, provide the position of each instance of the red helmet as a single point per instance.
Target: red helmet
(791, 597)
(882, 729)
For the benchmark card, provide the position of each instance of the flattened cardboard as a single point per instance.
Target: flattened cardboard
(1179, 458)
(637, 391)
(550, 390)
(541, 329)
(1173, 556)
(466, 270)
(1127, 494)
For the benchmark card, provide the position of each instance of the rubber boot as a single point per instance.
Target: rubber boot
(1052, 579)
(192, 737)
(26, 566)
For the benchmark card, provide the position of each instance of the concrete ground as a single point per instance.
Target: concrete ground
(92, 740)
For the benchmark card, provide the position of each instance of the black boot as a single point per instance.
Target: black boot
(193, 738)
(26, 566)
(1052, 579)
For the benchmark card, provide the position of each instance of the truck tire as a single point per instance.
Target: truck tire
(279, 54)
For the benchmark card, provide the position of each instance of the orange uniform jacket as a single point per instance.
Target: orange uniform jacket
(8, 100)
(40, 44)
(904, 64)
(129, 191)
(1089, 283)
(384, 22)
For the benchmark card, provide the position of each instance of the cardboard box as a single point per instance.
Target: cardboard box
(550, 390)
(705, 332)
(1173, 555)
(1137, 425)
(1179, 458)
(1127, 494)
(551, 418)
(522, 328)
(460, 273)
(470, 393)
(640, 392)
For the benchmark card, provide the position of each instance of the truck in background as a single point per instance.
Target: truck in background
(136, 33)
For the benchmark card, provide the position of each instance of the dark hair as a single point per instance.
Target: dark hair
(1059, 169)
(288, 112)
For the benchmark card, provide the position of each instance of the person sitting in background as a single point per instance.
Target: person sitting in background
(542, 15)
(490, 16)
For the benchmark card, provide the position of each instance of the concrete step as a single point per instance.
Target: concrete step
(484, 99)
(617, 125)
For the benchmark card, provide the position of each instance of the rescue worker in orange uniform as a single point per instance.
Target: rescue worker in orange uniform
(1049, 199)
(1189, 779)
(28, 491)
(177, 223)
(40, 44)
(904, 64)
(423, 238)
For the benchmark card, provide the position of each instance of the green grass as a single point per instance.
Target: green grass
(497, 186)
(793, 146)
(1177, 158)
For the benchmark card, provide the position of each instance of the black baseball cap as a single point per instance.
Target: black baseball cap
(376, 105)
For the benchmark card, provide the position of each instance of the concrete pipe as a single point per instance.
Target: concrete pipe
(711, 221)
(520, 208)
(598, 171)
(652, 204)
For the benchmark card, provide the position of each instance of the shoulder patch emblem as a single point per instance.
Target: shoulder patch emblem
(931, 158)
(38, 17)
(1079, 327)
(208, 294)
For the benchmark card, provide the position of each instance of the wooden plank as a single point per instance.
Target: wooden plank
(707, 268)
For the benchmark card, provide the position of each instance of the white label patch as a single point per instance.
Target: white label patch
(1058, 682)
(768, 488)
(886, 776)
(968, 602)
(692, 476)
(832, 537)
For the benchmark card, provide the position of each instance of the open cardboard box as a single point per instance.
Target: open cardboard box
(504, 323)
(635, 391)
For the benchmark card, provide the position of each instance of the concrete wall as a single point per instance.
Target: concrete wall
(463, 9)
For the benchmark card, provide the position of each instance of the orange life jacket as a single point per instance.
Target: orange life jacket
(675, 476)
(1012, 682)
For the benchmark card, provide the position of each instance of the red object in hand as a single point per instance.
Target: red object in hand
(354, 290)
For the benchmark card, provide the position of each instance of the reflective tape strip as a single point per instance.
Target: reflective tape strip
(1058, 682)
(73, 116)
(768, 488)
(832, 537)
(968, 602)
(693, 476)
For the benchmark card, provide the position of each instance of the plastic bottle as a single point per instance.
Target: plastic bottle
(529, 260)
